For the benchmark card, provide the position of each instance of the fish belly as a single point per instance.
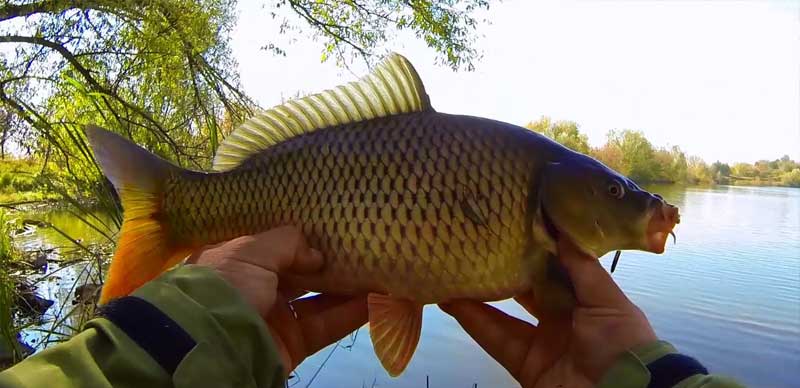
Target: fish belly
(424, 206)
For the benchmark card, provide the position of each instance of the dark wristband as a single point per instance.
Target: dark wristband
(155, 332)
(673, 368)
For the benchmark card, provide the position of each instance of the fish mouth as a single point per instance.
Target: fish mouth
(663, 219)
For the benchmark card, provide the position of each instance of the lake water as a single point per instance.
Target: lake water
(728, 293)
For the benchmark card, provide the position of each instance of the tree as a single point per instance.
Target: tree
(680, 167)
(354, 28)
(563, 132)
(791, 178)
(610, 155)
(698, 171)
(721, 168)
(161, 71)
(638, 156)
(785, 164)
(744, 170)
(763, 168)
(720, 172)
(13, 131)
(664, 160)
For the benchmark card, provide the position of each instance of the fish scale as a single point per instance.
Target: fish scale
(408, 205)
(376, 210)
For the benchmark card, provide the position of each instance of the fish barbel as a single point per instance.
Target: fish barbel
(407, 204)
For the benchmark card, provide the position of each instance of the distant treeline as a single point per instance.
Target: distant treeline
(626, 151)
(630, 153)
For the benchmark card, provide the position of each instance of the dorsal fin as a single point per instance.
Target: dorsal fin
(393, 87)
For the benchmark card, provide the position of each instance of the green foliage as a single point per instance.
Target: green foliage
(699, 172)
(354, 28)
(720, 172)
(791, 178)
(20, 181)
(159, 73)
(678, 170)
(8, 329)
(631, 154)
(638, 156)
(783, 171)
(564, 132)
(162, 74)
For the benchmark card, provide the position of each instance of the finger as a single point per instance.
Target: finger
(280, 249)
(317, 303)
(196, 255)
(326, 327)
(505, 338)
(593, 285)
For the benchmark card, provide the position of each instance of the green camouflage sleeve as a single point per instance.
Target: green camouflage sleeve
(658, 364)
(187, 328)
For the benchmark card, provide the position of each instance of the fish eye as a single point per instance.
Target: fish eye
(615, 190)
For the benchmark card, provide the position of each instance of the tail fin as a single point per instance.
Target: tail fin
(144, 249)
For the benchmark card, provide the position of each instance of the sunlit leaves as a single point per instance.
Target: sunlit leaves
(564, 132)
(357, 28)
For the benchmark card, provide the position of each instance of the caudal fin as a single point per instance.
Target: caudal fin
(144, 249)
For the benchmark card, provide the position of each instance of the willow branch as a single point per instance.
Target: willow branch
(87, 75)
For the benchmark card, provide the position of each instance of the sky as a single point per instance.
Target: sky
(719, 79)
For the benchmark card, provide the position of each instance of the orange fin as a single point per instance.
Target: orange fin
(144, 249)
(143, 252)
(394, 326)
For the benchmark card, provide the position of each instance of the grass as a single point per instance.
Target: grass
(8, 296)
(20, 182)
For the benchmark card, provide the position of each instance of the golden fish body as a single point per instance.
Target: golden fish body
(408, 205)
(424, 206)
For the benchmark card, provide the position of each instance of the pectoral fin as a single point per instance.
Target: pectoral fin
(394, 326)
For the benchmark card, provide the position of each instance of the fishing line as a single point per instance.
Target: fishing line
(616, 260)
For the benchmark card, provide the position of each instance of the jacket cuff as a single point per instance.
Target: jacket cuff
(630, 370)
(232, 345)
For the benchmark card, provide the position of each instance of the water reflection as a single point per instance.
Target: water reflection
(68, 265)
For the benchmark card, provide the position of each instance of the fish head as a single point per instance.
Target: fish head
(600, 210)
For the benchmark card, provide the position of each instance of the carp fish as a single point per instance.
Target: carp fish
(407, 204)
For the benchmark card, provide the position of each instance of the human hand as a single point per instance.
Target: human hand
(300, 327)
(572, 350)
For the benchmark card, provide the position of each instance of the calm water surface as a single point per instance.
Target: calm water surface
(728, 294)
(67, 268)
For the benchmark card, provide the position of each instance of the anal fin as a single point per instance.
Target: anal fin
(394, 327)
